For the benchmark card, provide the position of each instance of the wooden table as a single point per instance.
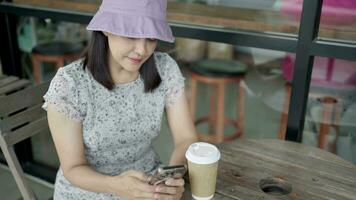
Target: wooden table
(213, 16)
(308, 172)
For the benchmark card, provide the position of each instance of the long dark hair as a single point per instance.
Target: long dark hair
(96, 60)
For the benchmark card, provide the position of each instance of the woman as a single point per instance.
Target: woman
(105, 110)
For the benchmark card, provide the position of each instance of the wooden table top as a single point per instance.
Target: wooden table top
(226, 17)
(309, 173)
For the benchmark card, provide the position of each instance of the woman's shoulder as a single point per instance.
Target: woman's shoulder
(162, 57)
(65, 91)
(74, 68)
(74, 71)
(172, 78)
(165, 63)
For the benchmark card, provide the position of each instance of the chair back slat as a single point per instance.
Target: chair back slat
(7, 79)
(27, 131)
(22, 99)
(14, 86)
(31, 114)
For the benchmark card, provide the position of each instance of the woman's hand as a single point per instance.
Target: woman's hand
(132, 185)
(172, 190)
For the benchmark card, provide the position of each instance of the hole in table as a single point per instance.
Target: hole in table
(275, 186)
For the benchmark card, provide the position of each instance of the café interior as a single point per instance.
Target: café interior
(270, 73)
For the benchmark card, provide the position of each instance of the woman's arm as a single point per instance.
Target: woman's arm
(183, 132)
(68, 139)
(182, 129)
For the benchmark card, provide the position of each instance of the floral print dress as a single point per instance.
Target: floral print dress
(119, 125)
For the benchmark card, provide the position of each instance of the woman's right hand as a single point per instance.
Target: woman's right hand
(132, 185)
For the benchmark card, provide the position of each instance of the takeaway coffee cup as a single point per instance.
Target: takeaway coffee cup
(203, 161)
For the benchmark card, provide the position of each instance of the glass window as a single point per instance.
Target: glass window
(255, 15)
(75, 5)
(331, 110)
(264, 101)
(338, 20)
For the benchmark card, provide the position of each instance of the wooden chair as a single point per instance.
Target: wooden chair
(21, 117)
(10, 84)
(218, 73)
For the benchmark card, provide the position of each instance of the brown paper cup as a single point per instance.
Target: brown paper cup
(203, 159)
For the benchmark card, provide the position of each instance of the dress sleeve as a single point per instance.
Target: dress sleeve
(174, 81)
(64, 95)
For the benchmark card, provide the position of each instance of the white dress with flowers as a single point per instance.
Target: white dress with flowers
(119, 125)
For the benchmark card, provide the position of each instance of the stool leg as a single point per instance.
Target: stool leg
(36, 68)
(324, 126)
(241, 110)
(193, 96)
(220, 113)
(338, 111)
(284, 117)
(337, 134)
(213, 105)
(59, 63)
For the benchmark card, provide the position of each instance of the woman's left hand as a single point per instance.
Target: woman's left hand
(172, 189)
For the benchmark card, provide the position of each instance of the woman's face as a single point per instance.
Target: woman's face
(130, 53)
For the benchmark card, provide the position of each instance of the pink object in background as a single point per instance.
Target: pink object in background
(334, 12)
(327, 72)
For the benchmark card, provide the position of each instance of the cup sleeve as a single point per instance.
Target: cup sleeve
(64, 96)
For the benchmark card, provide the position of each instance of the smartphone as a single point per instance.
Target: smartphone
(164, 173)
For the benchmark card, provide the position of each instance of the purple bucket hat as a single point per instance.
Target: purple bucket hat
(133, 18)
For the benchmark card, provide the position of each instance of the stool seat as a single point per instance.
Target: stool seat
(57, 48)
(219, 68)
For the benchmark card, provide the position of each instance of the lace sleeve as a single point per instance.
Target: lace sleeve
(63, 94)
(174, 81)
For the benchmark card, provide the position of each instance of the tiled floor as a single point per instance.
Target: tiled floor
(262, 121)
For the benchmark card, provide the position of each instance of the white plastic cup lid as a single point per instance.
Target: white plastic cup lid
(202, 153)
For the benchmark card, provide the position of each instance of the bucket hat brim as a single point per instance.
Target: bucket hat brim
(135, 26)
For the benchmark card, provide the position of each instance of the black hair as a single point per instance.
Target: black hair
(96, 60)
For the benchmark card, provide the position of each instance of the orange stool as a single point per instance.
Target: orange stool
(55, 52)
(218, 73)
